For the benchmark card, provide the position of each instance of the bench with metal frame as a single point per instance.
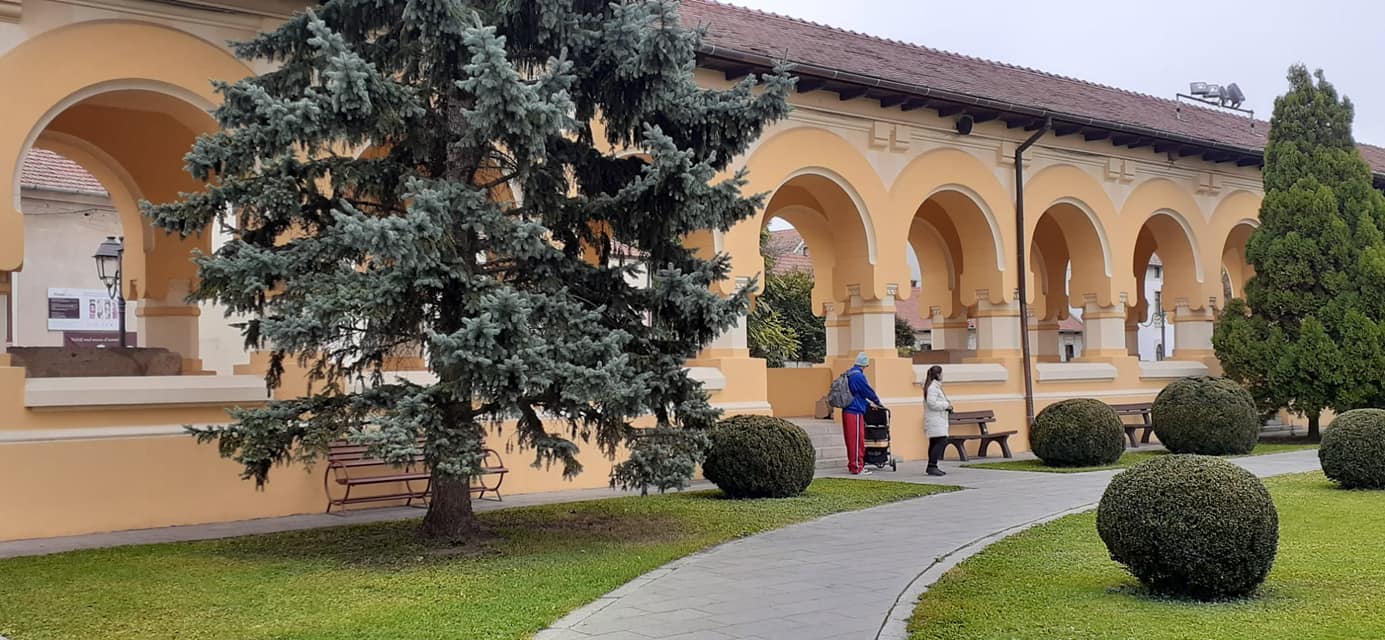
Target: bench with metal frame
(350, 466)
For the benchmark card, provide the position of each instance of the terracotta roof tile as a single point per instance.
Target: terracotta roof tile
(44, 169)
(800, 41)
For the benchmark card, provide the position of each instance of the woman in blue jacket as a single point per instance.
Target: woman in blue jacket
(854, 415)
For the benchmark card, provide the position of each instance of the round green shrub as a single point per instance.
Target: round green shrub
(1207, 416)
(759, 457)
(1353, 449)
(1190, 526)
(1081, 432)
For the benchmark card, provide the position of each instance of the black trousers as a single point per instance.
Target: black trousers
(936, 448)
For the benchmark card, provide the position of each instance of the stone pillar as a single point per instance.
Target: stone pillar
(837, 328)
(747, 383)
(1104, 336)
(1044, 343)
(950, 334)
(171, 324)
(1192, 333)
(871, 325)
(4, 314)
(1132, 339)
(997, 329)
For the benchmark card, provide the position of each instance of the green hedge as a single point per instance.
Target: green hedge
(1190, 526)
(1353, 449)
(1081, 432)
(759, 457)
(1207, 416)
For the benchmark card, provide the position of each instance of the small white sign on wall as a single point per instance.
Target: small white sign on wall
(82, 310)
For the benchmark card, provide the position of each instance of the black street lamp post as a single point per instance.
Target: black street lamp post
(110, 257)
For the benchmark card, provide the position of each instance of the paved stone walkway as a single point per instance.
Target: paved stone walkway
(851, 576)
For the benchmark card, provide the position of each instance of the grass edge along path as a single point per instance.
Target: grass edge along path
(1130, 458)
(1056, 581)
(377, 581)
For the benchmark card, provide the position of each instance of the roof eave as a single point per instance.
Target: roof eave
(741, 62)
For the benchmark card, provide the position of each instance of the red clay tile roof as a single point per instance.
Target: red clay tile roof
(44, 169)
(782, 245)
(807, 43)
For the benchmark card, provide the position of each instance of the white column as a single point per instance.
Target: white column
(1192, 332)
(1044, 344)
(997, 327)
(838, 331)
(950, 334)
(871, 324)
(733, 339)
(1104, 334)
(171, 323)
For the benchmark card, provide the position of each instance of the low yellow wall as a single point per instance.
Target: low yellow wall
(793, 393)
(86, 486)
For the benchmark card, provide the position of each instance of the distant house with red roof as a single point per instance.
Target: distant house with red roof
(67, 213)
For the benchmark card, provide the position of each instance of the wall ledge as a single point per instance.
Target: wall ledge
(974, 372)
(1070, 371)
(75, 393)
(1171, 369)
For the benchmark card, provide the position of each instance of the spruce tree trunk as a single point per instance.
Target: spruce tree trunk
(1313, 432)
(450, 516)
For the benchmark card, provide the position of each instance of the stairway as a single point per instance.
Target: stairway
(827, 441)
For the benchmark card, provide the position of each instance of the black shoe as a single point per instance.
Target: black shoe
(934, 471)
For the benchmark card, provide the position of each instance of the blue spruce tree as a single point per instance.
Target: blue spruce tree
(476, 230)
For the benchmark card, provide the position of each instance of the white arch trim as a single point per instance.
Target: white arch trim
(850, 192)
(1192, 240)
(985, 210)
(1096, 225)
(154, 86)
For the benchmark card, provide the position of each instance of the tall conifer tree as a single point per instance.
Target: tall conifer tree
(1308, 335)
(476, 230)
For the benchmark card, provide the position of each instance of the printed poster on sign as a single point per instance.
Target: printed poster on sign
(82, 310)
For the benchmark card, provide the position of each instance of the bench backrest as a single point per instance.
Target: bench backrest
(978, 418)
(1141, 409)
(344, 452)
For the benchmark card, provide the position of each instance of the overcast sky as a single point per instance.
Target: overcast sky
(1151, 46)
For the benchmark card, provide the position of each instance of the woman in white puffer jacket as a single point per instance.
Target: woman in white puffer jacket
(935, 418)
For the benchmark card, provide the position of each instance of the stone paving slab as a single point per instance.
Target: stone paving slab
(852, 575)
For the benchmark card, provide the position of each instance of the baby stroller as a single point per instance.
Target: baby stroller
(877, 452)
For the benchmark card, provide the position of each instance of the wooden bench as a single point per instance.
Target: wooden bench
(981, 419)
(351, 465)
(1142, 410)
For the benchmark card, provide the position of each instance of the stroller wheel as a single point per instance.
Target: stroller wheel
(894, 464)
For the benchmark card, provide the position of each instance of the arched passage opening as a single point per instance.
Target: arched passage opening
(1168, 274)
(1236, 271)
(129, 142)
(1071, 314)
(953, 243)
(817, 249)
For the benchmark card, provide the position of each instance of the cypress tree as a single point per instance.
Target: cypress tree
(477, 231)
(1319, 256)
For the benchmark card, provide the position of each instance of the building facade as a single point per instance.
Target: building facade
(890, 147)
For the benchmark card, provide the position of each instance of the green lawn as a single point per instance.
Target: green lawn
(377, 582)
(1056, 581)
(1131, 458)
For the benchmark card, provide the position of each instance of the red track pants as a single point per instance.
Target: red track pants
(854, 431)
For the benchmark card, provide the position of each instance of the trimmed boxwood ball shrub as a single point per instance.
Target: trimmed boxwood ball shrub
(1206, 415)
(1081, 432)
(1190, 526)
(1353, 449)
(759, 457)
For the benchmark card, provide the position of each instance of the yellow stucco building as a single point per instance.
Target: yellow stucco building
(891, 148)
